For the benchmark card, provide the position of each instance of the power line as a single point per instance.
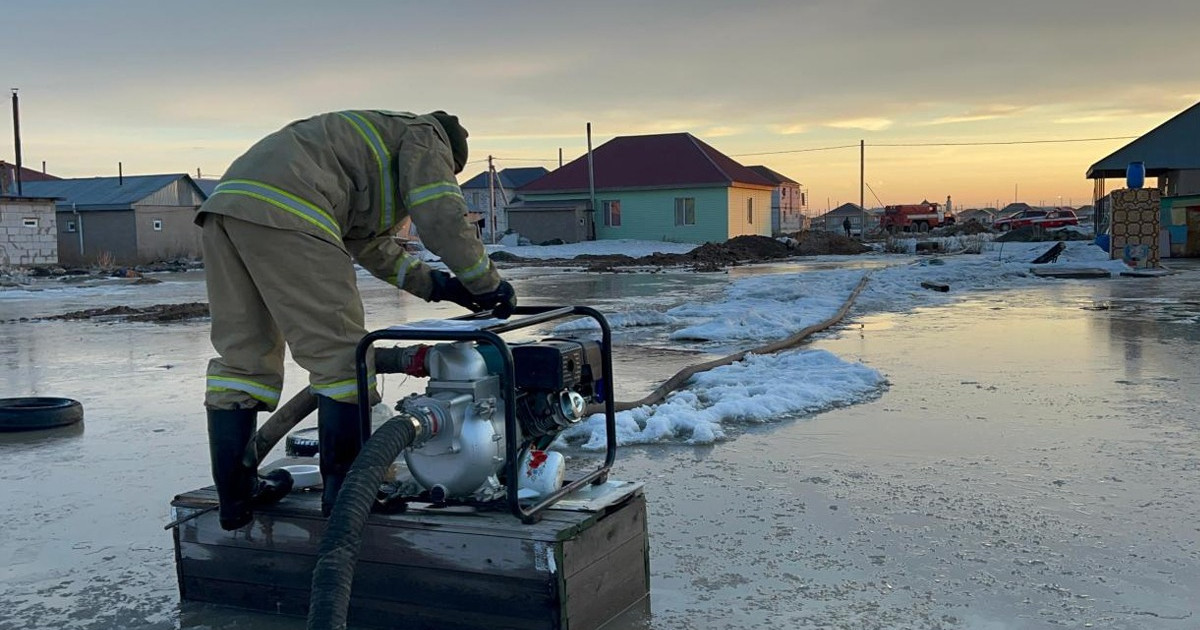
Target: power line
(938, 144)
(845, 146)
(980, 144)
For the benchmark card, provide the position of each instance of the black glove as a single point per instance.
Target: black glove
(502, 301)
(450, 289)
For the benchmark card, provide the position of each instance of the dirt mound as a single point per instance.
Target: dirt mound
(505, 257)
(822, 243)
(970, 228)
(156, 313)
(714, 256)
(1033, 234)
(739, 250)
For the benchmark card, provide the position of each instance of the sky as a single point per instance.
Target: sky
(180, 87)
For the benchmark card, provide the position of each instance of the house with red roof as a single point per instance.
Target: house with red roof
(671, 187)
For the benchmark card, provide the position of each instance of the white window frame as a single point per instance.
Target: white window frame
(608, 206)
(685, 211)
(30, 222)
(70, 227)
(157, 225)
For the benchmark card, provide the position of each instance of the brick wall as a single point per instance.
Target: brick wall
(28, 233)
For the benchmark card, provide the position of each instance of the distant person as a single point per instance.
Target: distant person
(846, 226)
(281, 234)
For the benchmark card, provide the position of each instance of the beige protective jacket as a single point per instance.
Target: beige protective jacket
(349, 178)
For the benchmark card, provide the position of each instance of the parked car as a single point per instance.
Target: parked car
(1047, 219)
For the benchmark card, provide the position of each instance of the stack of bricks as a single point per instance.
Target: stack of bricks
(1135, 226)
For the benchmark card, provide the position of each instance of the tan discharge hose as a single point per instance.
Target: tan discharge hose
(681, 377)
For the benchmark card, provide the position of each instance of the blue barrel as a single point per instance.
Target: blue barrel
(1103, 240)
(1135, 175)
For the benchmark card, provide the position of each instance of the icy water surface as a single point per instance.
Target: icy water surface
(1034, 463)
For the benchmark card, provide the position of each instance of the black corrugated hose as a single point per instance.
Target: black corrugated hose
(338, 551)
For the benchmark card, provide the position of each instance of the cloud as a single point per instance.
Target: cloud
(1111, 115)
(867, 123)
(790, 129)
(719, 131)
(990, 112)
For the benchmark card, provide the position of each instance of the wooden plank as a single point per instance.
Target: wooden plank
(422, 587)
(935, 286)
(307, 504)
(607, 587)
(511, 557)
(623, 523)
(1075, 273)
(364, 612)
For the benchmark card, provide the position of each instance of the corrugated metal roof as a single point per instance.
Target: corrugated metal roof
(1171, 146)
(207, 186)
(662, 160)
(104, 193)
(510, 178)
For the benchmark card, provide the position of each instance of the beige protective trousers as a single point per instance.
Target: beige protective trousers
(267, 286)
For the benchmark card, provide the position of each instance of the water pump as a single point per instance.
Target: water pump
(463, 407)
(490, 409)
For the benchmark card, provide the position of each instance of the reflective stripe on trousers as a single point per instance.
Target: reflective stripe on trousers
(258, 391)
(342, 390)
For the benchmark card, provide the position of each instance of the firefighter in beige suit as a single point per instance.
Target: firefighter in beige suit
(281, 233)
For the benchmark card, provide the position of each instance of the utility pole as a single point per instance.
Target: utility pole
(492, 199)
(559, 157)
(862, 169)
(16, 106)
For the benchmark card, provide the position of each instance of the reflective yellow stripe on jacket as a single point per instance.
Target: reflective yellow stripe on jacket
(406, 263)
(429, 192)
(282, 199)
(258, 391)
(383, 159)
(476, 270)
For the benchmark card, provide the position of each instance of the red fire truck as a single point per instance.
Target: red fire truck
(916, 217)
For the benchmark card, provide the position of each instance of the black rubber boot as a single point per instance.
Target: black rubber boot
(238, 487)
(229, 431)
(339, 438)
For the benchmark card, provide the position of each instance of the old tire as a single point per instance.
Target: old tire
(34, 414)
(302, 443)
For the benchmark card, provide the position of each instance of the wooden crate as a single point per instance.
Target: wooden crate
(573, 570)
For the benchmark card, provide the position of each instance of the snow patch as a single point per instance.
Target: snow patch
(759, 389)
(616, 321)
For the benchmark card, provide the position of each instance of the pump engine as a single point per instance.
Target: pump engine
(464, 411)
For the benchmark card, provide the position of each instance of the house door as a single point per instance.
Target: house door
(1192, 248)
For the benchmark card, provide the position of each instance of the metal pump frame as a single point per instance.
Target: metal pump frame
(532, 315)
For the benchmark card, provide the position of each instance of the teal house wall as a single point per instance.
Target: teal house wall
(646, 174)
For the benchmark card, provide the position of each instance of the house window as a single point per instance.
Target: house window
(158, 225)
(750, 210)
(612, 213)
(29, 222)
(685, 211)
(70, 227)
